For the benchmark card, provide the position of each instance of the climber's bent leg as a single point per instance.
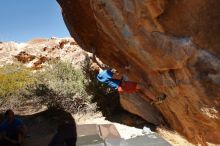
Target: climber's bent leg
(128, 87)
(148, 91)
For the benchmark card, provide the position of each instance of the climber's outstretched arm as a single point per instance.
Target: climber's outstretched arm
(96, 61)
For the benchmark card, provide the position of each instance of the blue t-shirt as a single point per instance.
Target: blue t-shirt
(11, 129)
(105, 77)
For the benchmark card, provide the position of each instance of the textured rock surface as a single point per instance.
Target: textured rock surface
(37, 51)
(171, 45)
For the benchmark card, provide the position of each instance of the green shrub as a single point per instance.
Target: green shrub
(64, 79)
(57, 85)
(14, 80)
(63, 86)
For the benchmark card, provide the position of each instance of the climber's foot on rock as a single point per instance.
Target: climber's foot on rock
(160, 99)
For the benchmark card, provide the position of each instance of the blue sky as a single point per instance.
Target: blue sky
(23, 20)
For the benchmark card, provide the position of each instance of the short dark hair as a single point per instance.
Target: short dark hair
(7, 112)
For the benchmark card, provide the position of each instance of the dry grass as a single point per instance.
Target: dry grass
(173, 138)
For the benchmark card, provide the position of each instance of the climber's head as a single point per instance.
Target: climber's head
(95, 68)
(9, 115)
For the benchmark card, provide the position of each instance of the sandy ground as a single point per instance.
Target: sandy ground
(42, 127)
(127, 132)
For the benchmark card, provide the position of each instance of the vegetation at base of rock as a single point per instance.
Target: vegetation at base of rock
(15, 78)
(64, 79)
(58, 85)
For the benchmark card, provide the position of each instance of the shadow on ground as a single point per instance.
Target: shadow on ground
(44, 125)
(108, 102)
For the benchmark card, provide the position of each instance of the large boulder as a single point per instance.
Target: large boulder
(172, 46)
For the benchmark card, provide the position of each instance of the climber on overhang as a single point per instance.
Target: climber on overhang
(115, 81)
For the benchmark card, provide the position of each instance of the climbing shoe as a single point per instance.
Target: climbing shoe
(160, 99)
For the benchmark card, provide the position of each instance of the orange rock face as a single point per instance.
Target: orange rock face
(24, 57)
(171, 46)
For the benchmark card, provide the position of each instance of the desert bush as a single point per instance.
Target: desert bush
(61, 85)
(57, 85)
(14, 79)
(64, 79)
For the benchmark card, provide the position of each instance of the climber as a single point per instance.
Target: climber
(115, 81)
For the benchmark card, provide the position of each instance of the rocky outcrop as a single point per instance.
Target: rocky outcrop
(172, 46)
(38, 51)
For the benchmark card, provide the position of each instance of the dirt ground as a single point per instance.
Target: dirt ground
(127, 131)
(42, 125)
